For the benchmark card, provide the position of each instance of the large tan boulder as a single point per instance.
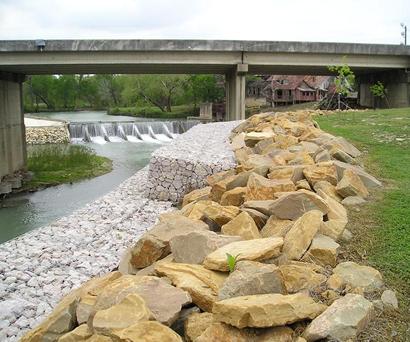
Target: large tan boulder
(250, 278)
(292, 205)
(234, 197)
(351, 185)
(162, 299)
(328, 189)
(341, 321)
(221, 332)
(259, 218)
(333, 228)
(202, 284)
(147, 332)
(252, 138)
(238, 141)
(261, 188)
(242, 225)
(263, 207)
(301, 234)
(197, 195)
(356, 276)
(266, 310)
(63, 318)
(154, 244)
(257, 160)
(368, 180)
(292, 172)
(254, 250)
(217, 177)
(323, 251)
(194, 247)
(275, 227)
(301, 276)
(214, 212)
(130, 310)
(196, 324)
(81, 333)
(321, 172)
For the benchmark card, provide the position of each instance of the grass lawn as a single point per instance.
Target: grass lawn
(57, 164)
(381, 228)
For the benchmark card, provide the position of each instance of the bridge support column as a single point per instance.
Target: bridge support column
(397, 83)
(12, 130)
(235, 84)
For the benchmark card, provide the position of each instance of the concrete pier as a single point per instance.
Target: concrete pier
(12, 130)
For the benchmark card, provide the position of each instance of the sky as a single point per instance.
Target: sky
(357, 21)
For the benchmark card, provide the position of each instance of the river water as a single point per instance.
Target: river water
(24, 212)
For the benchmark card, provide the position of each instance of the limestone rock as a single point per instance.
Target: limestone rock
(266, 310)
(147, 332)
(356, 275)
(202, 284)
(194, 247)
(261, 188)
(220, 332)
(163, 300)
(353, 200)
(259, 218)
(341, 321)
(333, 228)
(389, 299)
(322, 251)
(217, 177)
(234, 197)
(254, 250)
(294, 204)
(252, 138)
(220, 187)
(257, 160)
(251, 278)
(130, 310)
(263, 207)
(196, 324)
(276, 227)
(303, 184)
(301, 276)
(351, 185)
(328, 189)
(197, 195)
(342, 156)
(368, 180)
(154, 244)
(300, 235)
(238, 141)
(292, 172)
(213, 211)
(322, 156)
(316, 173)
(242, 225)
(81, 333)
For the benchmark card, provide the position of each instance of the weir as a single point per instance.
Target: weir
(151, 131)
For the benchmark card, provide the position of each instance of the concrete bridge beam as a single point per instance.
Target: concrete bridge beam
(12, 130)
(235, 84)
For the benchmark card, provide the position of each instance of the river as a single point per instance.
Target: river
(21, 213)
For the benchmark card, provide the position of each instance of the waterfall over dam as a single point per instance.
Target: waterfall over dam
(119, 131)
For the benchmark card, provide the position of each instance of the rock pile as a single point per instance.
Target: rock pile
(253, 256)
(47, 135)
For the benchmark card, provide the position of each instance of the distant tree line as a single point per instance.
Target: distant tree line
(69, 92)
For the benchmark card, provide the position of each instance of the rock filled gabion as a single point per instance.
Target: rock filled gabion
(246, 257)
(184, 164)
(47, 135)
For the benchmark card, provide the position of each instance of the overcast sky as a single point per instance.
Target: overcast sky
(362, 21)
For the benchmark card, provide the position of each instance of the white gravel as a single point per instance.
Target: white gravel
(39, 267)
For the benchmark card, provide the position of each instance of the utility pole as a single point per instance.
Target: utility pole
(404, 33)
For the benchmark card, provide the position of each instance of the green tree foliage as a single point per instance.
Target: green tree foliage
(378, 90)
(60, 92)
(345, 79)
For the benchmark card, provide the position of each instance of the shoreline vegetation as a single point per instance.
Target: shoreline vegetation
(52, 165)
(380, 226)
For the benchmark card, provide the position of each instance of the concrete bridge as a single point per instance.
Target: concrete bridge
(387, 63)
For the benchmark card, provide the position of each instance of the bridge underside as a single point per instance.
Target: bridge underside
(234, 59)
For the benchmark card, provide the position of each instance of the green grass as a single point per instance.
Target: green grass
(178, 112)
(57, 164)
(382, 227)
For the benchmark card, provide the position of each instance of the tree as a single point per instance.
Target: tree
(379, 91)
(41, 89)
(344, 81)
(109, 88)
(205, 88)
(66, 91)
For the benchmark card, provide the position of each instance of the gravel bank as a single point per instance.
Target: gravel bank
(40, 267)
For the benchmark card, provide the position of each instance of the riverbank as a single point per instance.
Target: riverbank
(52, 165)
(151, 112)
